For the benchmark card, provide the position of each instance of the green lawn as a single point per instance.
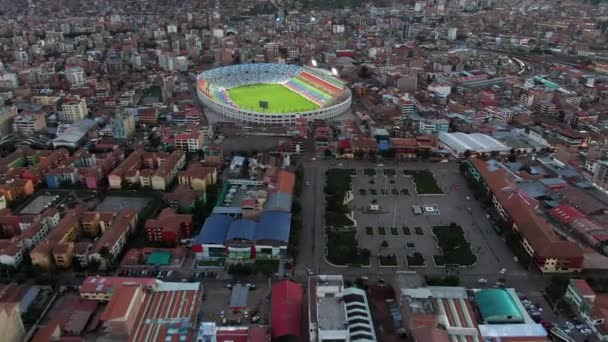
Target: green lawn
(280, 99)
(342, 249)
(456, 249)
(425, 182)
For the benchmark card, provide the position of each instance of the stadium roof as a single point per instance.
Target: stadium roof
(242, 230)
(497, 305)
(214, 229)
(474, 142)
(274, 225)
(286, 310)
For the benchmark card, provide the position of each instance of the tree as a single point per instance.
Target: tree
(364, 72)
(371, 154)
(359, 154)
(494, 154)
(327, 153)
(384, 244)
(365, 253)
(341, 151)
(467, 153)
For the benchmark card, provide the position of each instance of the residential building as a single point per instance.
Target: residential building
(197, 176)
(123, 125)
(166, 60)
(519, 213)
(169, 227)
(75, 75)
(73, 108)
(27, 123)
(189, 141)
(600, 174)
(7, 115)
(148, 116)
(430, 126)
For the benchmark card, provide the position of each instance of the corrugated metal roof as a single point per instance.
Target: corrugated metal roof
(279, 201)
(242, 229)
(214, 229)
(274, 225)
(286, 308)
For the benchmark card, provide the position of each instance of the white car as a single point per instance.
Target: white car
(307, 183)
(503, 271)
(482, 280)
(380, 165)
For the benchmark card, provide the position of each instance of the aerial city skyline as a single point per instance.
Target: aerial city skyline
(304, 170)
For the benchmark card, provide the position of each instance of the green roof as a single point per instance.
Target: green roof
(159, 258)
(498, 306)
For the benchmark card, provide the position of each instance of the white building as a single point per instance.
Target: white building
(166, 61)
(75, 76)
(476, 143)
(73, 108)
(336, 313)
(452, 33)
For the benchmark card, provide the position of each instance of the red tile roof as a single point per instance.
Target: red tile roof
(535, 229)
(565, 213)
(110, 284)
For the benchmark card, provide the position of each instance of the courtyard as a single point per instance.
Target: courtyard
(406, 218)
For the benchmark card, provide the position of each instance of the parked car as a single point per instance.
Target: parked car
(255, 319)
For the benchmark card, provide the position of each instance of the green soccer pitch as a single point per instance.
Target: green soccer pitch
(280, 99)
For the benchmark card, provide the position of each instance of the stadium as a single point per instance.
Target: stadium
(272, 94)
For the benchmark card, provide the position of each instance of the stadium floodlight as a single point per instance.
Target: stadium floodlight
(334, 71)
(314, 62)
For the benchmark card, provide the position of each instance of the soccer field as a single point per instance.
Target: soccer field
(280, 99)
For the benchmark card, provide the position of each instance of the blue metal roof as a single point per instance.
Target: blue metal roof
(214, 229)
(241, 229)
(274, 225)
(279, 201)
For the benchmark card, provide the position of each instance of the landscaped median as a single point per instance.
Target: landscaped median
(456, 250)
(425, 182)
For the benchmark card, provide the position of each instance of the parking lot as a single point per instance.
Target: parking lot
(216, 306)
(392, 218)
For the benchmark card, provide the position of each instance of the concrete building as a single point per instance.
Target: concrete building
(431, 126)
(452, 33)
(27, 123)
(189, 141)
(75, 75)
(123, 125)
(73, 108)
(336, 313)
(600, 174)
(7, 114)
(166, 61)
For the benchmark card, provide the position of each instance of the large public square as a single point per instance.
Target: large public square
(387, 223)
